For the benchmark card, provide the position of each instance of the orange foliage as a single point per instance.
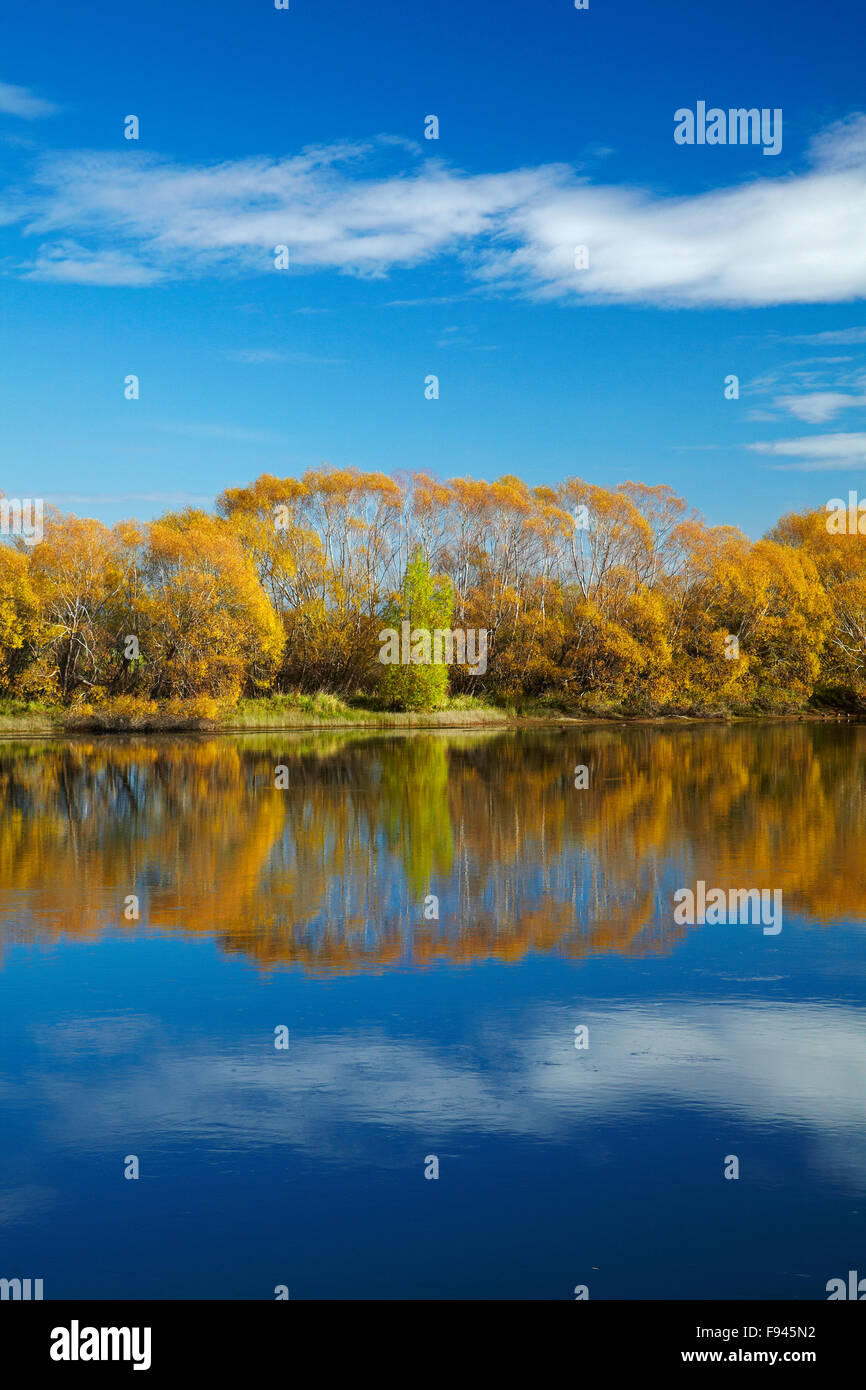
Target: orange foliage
(604, 598)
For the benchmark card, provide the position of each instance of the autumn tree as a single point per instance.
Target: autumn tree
(205, 626)
(21, 624)
(80, 572)
(839, 560)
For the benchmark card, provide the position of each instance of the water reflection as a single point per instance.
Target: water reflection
(331, 873)
(304, 907)
(751, 1061)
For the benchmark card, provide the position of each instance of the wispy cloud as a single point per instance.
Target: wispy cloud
(814, 389)
(817, 407)
(463, 336)
(20, 101)
(133, 218)
(817, 453)
(257, 356)
(839, 337)
(254, 356)
(427, 300)
(67, 262)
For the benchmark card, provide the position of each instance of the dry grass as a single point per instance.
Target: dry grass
(329, 711)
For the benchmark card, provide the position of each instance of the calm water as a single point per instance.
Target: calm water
(413, 1036)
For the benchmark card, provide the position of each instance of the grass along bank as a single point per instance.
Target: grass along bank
(291, 711)
(322, 710)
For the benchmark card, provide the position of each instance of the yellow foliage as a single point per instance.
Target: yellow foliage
(602, 596)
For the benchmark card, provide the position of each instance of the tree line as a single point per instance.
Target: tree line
(601, 598)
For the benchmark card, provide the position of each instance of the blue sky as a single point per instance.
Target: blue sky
(410, 257)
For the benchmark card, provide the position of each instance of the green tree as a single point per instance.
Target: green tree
(426, 603)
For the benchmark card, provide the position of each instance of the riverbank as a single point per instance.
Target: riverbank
(325, 711)
(318, 711)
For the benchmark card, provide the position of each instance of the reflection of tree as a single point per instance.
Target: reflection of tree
(416, 815)
(332, 872)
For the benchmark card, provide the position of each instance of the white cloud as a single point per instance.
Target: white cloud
(815, 389)
(229, 217)
(69, 263)
(19, 101)
(818, 452)
(776, 239)
(819, 406)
